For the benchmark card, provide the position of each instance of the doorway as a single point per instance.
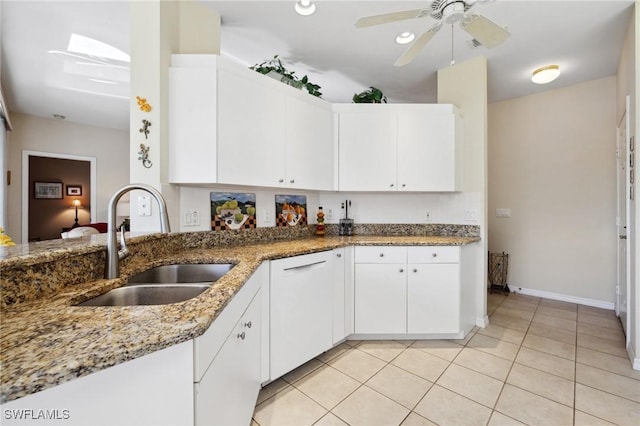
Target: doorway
(622, 220)
(52, 184)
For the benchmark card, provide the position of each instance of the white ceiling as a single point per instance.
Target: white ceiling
(584, 37)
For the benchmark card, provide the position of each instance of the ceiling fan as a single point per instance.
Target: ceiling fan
(485, 31)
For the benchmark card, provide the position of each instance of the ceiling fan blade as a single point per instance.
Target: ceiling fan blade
(484, 30)
(368, 21)
(417, 46)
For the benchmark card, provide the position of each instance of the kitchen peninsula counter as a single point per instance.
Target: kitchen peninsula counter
(48, 341)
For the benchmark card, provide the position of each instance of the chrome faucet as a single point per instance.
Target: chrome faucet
(112, 266)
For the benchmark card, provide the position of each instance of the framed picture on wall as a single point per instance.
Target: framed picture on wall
(47, 190)
(74, 189)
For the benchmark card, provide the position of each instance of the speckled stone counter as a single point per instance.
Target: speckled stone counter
(47, 341)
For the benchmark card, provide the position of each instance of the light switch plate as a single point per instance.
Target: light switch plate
(503, 212)
(144, 205)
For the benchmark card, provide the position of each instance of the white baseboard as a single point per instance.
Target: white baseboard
(635, 361)
(482, 321)
(565, 298)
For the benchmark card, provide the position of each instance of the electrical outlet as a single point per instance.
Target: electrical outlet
(191, 218)
(267, 216)
(471, 215)
(329, 214)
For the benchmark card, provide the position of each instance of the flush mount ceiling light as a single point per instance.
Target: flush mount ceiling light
(544, 75)
(405, 37)
(305, 7)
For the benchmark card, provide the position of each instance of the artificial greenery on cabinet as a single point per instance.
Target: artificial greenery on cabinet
(275, 66)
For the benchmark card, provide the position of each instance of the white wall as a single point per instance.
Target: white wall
(109, 146)
(365, 207)
(465, 85)
(552, 163)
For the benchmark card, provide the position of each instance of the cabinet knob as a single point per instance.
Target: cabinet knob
(415, 271)
(381, 254)
(404, 184)
(292, 181)
(248, 324)
(401, 270)
(392, 185)
(339, 255)
(241, 336)
(435, 255)
(280, 180)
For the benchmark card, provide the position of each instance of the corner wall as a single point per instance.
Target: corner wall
(552, 163)
(465, 85)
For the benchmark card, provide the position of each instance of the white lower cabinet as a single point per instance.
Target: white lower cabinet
(301, 314)
(408, 290)
(228, 358)
(229, 389)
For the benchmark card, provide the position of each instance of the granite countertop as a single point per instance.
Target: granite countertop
(49, 341)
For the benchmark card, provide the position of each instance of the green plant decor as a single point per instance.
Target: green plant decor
(288, 77)
(370, 96)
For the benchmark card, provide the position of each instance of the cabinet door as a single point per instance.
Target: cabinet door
(309, 145)
(339, 293)
(301, 312)
(433, 298)
(380, 298)
(227, 393)
(427, 151)
(192, 125)
(367, 151)
(251, 137)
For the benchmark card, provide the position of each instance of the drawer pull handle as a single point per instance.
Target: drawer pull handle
(339, 255)
(280, 180)
(241, 336)
(392, 185)
(292, 181)
(248, 324)
(401, 270)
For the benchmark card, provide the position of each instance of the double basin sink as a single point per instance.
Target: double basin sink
(163, 285)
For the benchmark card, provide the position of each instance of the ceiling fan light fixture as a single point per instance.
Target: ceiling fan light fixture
(305, 7)
(546, 74)
(405, 37)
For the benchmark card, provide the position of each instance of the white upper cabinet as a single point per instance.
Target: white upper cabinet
(231, 125)
(367, 149)
(399, 147)
(309, 146)
(251, 131)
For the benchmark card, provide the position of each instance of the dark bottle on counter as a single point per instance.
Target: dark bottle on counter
(320, 231)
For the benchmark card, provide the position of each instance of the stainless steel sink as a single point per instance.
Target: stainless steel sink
(182, 273)
(147, 294)
(163, 285)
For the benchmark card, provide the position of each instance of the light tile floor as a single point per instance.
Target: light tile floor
(539, 362)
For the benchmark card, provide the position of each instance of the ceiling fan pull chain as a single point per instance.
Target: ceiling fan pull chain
(453, 62)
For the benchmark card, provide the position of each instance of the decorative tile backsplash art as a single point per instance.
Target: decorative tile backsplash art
(291, 210)
(230, 210)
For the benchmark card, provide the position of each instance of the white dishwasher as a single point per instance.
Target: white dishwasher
(301, 318)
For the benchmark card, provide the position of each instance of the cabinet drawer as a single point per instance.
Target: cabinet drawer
(434, 254)
(380, 254)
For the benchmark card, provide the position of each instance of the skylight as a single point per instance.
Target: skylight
(89, 46)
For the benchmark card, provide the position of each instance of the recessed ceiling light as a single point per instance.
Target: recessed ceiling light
(546, 74)
(59, 116)
(305, 7)
(405, 37)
